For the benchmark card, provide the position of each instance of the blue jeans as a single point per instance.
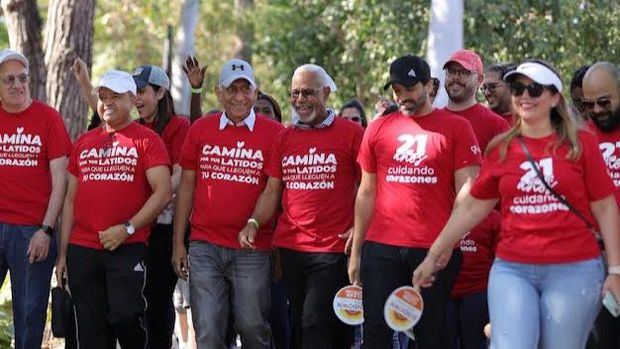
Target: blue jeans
(544, 306)
(30, 283)
(223, 279)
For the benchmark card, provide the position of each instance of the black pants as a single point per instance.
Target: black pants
(467, 317)
(385, 268)
(607, 330)
(312, 280)
(160, 282)
(106, 289)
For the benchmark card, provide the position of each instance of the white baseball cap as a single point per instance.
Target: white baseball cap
(538, 72)
(236, 69)
(7, 54)
(117, 81)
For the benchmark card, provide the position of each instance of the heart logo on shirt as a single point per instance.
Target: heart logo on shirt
(240, 144)
(312, 150)
(20, 130)
(115, 143)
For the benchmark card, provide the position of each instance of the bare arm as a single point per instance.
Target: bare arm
(182, 210)
(65, 230)
(195, 75)
(606, 213)
(265, 208)
(364, 207)
(80, 71)
(159, 180)
(38, 247)
(176, 176)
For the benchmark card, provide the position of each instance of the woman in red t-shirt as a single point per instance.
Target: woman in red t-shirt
(545, 284)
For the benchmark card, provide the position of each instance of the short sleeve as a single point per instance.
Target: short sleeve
(190, 150)
(155, 152)
(273, 167)
(178, 139)
(366, 156)
(467, 152)
(486, 186)
(59, 143)
(596, 178)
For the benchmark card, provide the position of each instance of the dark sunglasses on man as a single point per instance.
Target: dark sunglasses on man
(604, 103)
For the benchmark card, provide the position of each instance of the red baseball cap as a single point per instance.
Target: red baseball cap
(468, 59)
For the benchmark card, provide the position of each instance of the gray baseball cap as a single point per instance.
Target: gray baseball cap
(7, 54)
(236, 69)
(151, 74)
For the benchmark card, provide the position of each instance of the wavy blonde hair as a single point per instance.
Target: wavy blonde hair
(563, 121)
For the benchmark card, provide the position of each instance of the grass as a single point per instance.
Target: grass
(6, 316)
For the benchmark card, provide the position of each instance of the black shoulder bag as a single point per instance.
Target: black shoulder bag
(561, 198)
(62, 311)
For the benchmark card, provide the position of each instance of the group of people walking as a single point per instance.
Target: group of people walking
(497, 214)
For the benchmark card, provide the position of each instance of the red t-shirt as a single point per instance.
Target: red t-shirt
(230, 176)
(173, 136)
(536, 227)
(414, 159)
(609, 144)
(319, 176)
(29, 140)
(486, 123)
(112, 184)
(478, 250)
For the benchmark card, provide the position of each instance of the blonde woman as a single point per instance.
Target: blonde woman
(545, 284)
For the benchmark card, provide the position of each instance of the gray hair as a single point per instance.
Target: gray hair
(324, 78)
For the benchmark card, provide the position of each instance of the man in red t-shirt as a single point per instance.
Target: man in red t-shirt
(464, 74)
(223, 165)
(413, 163)
(34, 146)
(601, 103)
(496, 91)
(118, 182)
(313, 170)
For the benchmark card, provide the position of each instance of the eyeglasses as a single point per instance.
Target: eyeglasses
(11, 79)
(461, 73)
(534, 89)
(490, 87)
(604, 103)
(306, 93)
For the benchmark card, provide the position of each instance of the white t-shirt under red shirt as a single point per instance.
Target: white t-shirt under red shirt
(319, 176)
(112, 183)
(230, 176)
(414, 159)
(536, 227)
(29, 140)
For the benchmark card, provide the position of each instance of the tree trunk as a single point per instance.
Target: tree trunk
(68, 34)
(24, 25)
(245, 30)
(184, 46)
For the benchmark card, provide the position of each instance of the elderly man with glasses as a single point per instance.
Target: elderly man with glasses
(34, 146)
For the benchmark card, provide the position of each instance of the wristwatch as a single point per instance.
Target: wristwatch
(130, 228)
(615, 270)
(47, 229)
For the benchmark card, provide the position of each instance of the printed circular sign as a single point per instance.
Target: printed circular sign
(403, 308)
(348, 305)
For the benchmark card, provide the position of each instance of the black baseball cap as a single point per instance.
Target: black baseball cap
(408, 71)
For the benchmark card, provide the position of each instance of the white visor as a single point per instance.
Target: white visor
(538, 73)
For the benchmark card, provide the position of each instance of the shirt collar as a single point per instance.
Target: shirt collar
(325, 123)
(249, 121)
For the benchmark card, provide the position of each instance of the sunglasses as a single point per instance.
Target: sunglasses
(11, 79)
(534, 89)
(604, 103)
(490, 87)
